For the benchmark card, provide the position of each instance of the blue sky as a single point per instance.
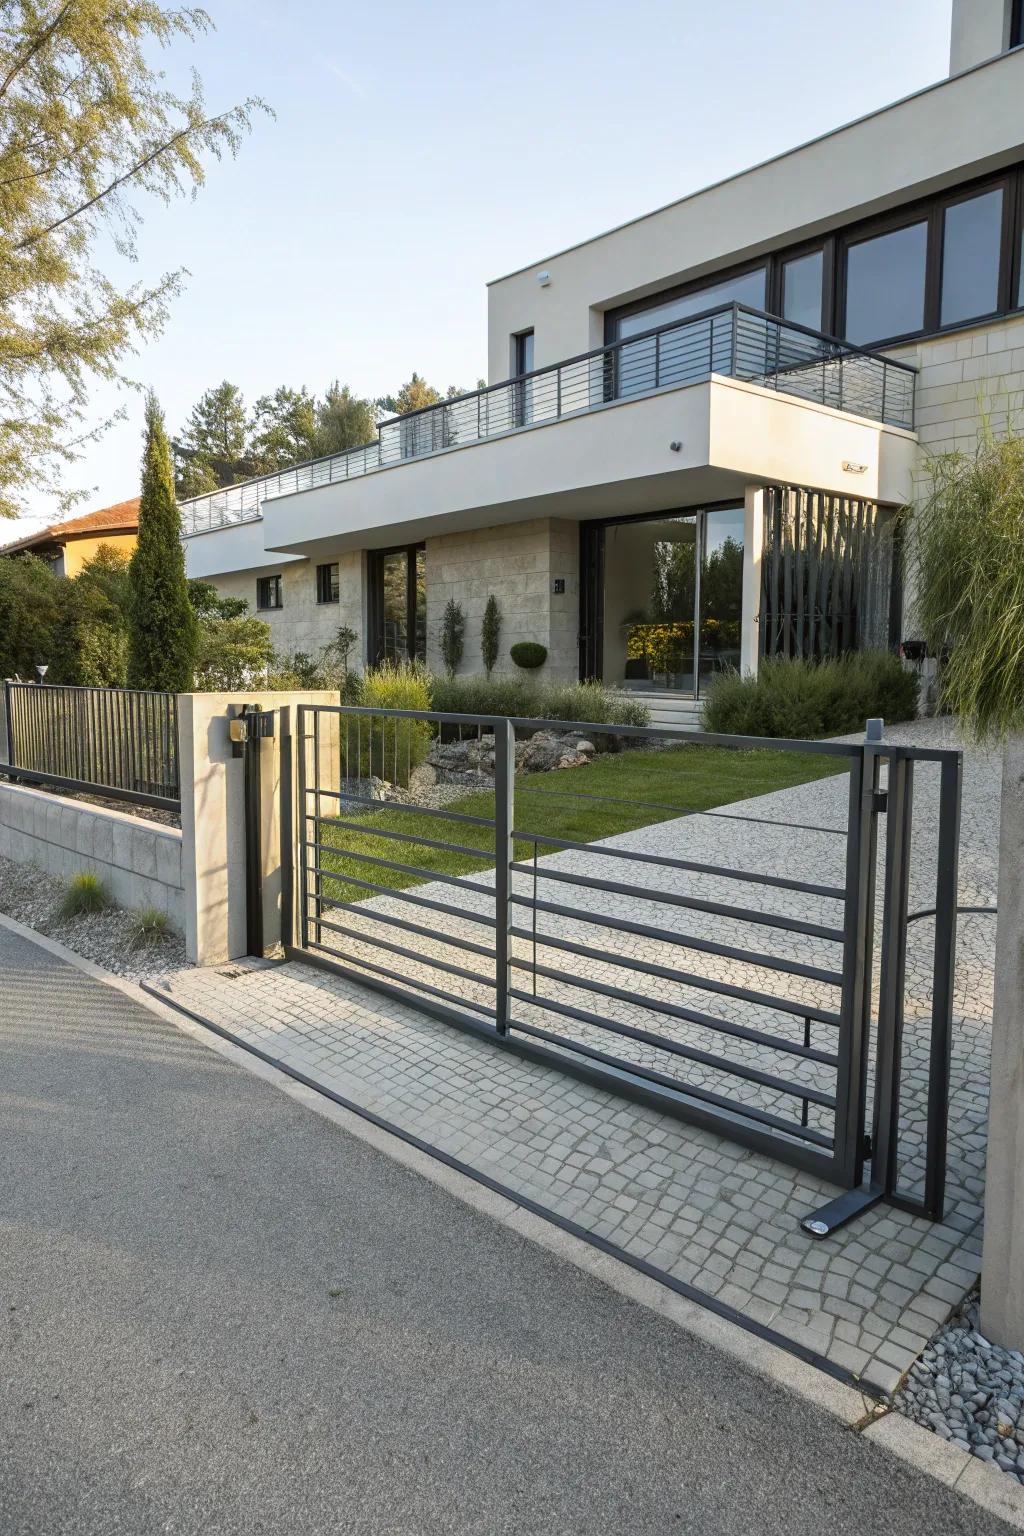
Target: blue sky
(419, 150)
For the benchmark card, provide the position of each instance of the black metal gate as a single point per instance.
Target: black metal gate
(759, 994)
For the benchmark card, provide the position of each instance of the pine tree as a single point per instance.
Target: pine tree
(161, 621)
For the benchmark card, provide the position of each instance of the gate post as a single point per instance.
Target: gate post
(889, 1038)
(504, 818)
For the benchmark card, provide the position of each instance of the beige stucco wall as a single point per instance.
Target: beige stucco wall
(303, 624)
(519, 563)
(980, 29)
(78, 552)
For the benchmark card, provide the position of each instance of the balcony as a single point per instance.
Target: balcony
(731, 341)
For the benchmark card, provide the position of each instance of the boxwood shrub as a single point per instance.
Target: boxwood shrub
(803, 698)
(528, 654)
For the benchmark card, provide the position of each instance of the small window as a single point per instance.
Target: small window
(523, 352)
(268, 592)
(885, 285)
(1017, 25)
(801, 289)
(971, 236)
(327, 586)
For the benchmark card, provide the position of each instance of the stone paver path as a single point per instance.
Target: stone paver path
(696, 1205)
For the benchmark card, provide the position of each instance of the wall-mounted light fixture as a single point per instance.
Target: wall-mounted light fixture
(850, 468)
(544, 278)
(676, 447)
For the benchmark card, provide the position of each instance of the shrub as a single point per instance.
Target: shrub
(453, 635)
(490, 634)
(807, 699)
(529, 654)
(484, 696)
(149, 927)
(85, 893)
(592, 701)
(391, 749)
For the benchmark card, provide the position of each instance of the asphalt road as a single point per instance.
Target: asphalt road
(221, 1314)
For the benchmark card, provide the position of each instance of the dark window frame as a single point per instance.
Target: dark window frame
(518, 340)
(682, 291)
(375, 599)
(328, 587)
(835, 245)
(265, 585)
(1017, 24)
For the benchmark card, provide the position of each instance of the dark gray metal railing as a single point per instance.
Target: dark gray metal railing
(121, 743)
(731, 339)
(599, 958)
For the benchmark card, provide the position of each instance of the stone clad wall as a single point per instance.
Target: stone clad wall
(519, 563)
(303, 624)
(138, 861)
(965, 379)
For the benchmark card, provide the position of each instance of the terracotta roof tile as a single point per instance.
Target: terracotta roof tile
(123, 517)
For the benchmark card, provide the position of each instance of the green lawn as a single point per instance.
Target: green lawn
(638, 788)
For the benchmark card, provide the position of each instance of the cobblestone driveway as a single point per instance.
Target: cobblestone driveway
(708, 1212)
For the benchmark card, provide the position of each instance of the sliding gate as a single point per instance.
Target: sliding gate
(739, 969)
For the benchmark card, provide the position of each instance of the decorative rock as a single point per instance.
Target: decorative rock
(970, 1392)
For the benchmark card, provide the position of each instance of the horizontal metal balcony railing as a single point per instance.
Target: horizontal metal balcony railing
(732, 340)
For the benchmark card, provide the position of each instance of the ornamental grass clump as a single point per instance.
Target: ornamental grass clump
(382, 747)
(967, 560)
(799, 699)
(85, 894)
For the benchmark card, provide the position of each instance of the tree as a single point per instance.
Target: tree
(207, 602)
(29, 613)
(284, 430)
(161, 621)
(344, 421)
(414, 396)
(967, 544)
(87, 125)
(490, 634)
(92, 632)
(213, 447)
(453, 634)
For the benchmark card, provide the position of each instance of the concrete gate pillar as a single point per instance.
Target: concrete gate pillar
(213, 847)
(1002, 1270)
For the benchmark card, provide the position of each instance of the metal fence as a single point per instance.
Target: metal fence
(735, 993)
(731, 339)
(119, 742)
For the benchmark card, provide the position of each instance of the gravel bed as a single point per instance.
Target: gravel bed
(970, 1392)
(32, 897)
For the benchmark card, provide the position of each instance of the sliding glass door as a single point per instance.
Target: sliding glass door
(661, 599)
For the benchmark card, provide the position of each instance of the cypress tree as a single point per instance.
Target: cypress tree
(161, 622)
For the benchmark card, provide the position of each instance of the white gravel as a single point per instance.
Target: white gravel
(32, 897)
(971, 1392)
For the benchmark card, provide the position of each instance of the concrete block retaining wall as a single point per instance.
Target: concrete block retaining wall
(138, 861)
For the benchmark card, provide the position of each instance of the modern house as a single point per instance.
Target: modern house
(70, 545)
(700, 424)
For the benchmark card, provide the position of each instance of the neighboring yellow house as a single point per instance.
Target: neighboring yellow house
(68, 546)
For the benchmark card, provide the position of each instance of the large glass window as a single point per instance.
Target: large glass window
(885, 284)
(748, 288)
(801, 289)
(684, 355)
(971, 236)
